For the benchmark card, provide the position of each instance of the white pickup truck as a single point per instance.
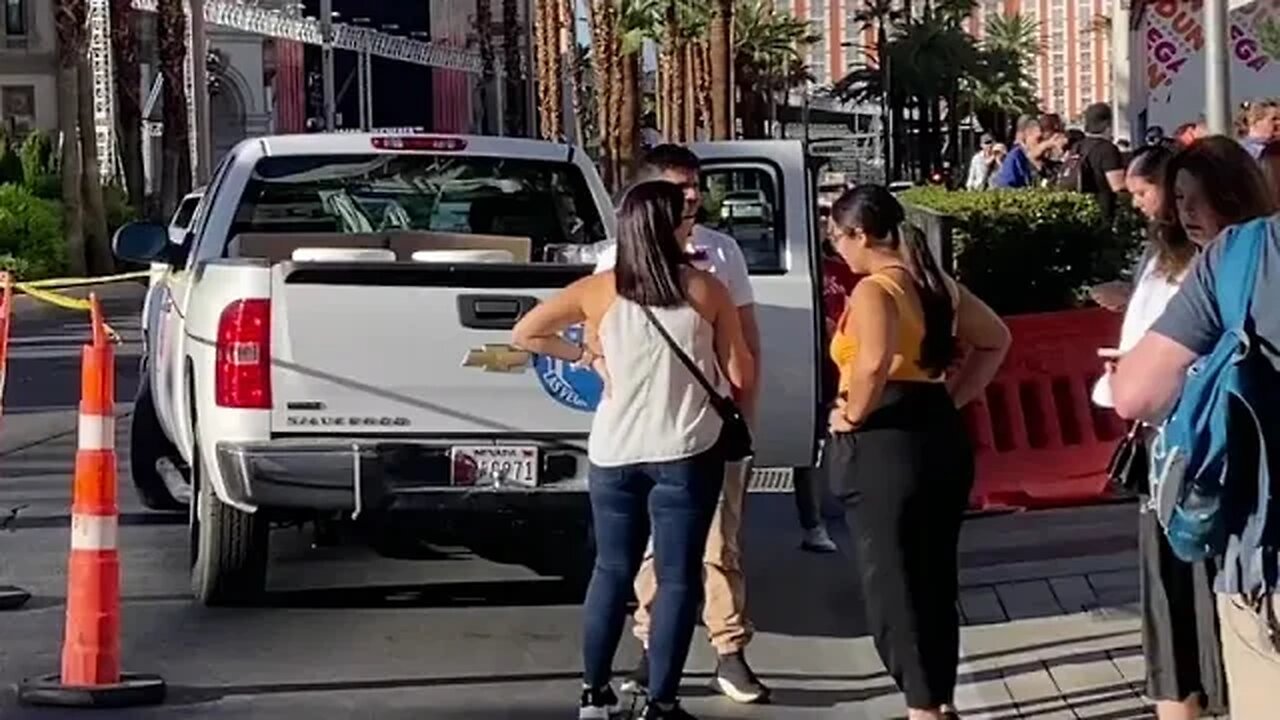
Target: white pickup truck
(329, 342)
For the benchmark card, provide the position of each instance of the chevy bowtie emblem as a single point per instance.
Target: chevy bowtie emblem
(496, 358)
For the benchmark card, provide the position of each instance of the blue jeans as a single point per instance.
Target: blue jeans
(678, 499)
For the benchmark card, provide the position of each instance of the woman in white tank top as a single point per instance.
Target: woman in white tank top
(653, 449)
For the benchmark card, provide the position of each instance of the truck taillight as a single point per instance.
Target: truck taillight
(243, 374)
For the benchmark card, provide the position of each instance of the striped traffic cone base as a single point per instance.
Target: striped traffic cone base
(133, 690)
(12, 598)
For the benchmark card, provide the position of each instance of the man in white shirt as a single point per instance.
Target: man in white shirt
(724, 607)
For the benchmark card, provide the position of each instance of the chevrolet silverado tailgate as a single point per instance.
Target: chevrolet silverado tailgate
(416, 349)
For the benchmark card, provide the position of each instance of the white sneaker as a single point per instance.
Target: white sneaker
(818, 540)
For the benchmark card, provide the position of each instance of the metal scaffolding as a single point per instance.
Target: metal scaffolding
(248, 17)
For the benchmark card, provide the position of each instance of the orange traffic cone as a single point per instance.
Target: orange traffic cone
(91, 674)
(11, 596)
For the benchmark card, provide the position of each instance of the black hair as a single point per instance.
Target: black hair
(1097, 118)
(875, 211)
(650, 258)
(669, 156)
(1150, 161)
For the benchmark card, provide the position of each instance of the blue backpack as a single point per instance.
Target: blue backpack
(1233, 391)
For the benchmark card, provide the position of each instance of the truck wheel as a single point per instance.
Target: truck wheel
(147, 446)
(228, 547)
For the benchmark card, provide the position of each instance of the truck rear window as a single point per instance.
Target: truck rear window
(546, 207)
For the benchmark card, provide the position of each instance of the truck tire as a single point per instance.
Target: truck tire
(147, 446)
(228, 547)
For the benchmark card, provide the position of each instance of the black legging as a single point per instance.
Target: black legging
(905, 477)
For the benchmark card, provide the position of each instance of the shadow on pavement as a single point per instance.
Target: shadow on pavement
(506, 593)
(197, 694)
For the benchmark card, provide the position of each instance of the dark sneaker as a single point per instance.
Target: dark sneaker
(598, 704)
(637, 683)
(736, 681)
(653, 711)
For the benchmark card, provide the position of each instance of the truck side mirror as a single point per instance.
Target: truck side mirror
(145, 243)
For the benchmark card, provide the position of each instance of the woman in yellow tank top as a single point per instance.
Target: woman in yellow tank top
(899, 454)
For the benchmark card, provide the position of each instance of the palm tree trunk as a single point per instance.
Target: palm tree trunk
(171, 35)
(69, 17)
(95, 214)
(690, 86)
(512, 68)
(484, 37)
(128, 97)
(549, 81)
(629, 125)
(721, 57)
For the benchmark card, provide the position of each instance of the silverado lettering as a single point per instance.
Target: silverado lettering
(312, 421)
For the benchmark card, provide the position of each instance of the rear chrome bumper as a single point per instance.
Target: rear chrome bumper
(362, 475)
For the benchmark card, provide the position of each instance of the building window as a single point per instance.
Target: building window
(15, 18)
(18, 104)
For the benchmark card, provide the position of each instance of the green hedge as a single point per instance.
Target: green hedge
(1031, 250)
(31, 240)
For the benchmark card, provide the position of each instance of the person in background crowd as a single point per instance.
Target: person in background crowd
(1217, 184)
(1144, 181)
(1102, 167)
(653, 447)
(838, 282)
(1154, 136)
(1180, 638)
(649, 135)
(725, 607)
(983, 165)
(1258, 124)
(1022, 165)
(1189, 133)
(899, 455)
(1270, 161)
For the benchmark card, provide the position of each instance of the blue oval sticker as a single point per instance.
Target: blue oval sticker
(577, 388)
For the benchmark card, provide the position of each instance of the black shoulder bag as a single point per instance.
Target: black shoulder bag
(735, 436)
(1127, 469)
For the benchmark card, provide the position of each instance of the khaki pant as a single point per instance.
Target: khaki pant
(1253, 664)
(724, 587)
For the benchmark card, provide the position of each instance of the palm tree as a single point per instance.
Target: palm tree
(1002, 86)
(767, 59)
(175, 174)
(128, 97)
(69, 18)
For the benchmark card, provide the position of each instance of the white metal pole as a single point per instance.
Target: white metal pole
(1121, 47)
(368, 87)
(1217, 64)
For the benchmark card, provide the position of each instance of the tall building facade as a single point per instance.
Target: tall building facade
(28, 66)
(1072, 70)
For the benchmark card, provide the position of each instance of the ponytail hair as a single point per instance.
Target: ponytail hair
(874, 210)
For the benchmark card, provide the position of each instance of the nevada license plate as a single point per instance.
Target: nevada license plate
(481, 465)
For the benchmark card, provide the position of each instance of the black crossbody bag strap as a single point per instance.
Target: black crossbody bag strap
(716, 398)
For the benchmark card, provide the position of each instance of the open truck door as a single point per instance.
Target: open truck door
(778, 238)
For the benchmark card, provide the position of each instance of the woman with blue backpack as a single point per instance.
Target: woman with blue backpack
(1190, 196)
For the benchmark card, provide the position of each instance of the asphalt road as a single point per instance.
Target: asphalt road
(347, 634)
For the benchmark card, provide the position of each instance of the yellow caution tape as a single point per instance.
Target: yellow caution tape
(78, 282)
(35, 290)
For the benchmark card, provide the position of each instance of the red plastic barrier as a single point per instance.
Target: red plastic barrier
(1039, 440)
